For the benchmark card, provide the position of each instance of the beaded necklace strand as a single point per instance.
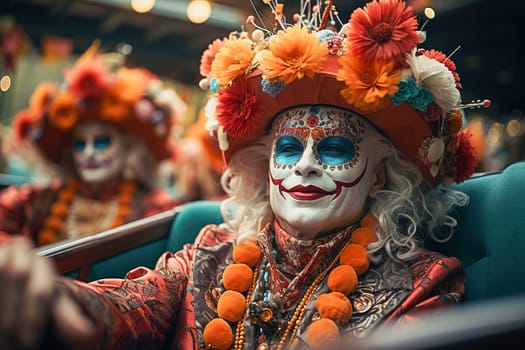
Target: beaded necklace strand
(54, 223)
(334, 307)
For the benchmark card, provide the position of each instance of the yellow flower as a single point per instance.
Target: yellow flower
(368, 86)
(232, 61)
(293, 54)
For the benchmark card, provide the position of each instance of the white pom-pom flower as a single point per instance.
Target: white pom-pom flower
(437, 78)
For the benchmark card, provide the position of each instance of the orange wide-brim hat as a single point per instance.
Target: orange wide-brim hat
(132, 100)
(372, 67)
(404, 126)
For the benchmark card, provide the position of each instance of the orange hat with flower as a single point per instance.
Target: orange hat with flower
(99, 88)
(371, 66)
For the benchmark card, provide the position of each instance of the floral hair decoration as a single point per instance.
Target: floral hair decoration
(371, 66)
(99, 87)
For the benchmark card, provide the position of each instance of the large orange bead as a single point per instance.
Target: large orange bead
(343, 279)
(237, 277)
(218, 334)
(231, 306)
(356, 256)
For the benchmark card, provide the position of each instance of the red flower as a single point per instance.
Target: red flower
(384, 30)
(22, 124)
(237, 109)
(88, 79)
(466, 158)
(312, 121)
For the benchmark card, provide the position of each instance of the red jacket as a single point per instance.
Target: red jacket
(169, 305)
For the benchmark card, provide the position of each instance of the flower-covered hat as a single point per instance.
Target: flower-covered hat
(372, 66)
(100, 88)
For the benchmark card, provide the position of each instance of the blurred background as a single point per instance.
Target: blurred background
(38, 38)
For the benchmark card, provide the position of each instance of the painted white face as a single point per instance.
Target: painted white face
(321, 169)
(98, 152)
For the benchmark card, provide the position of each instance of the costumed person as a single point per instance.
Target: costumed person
(103, 133)
(337, 144)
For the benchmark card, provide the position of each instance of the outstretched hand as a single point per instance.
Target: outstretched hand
(29, 301)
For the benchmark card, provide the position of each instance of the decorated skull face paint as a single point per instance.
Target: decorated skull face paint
(98, 152)
(321, 169)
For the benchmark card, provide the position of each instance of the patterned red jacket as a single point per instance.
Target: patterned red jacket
(167, 307)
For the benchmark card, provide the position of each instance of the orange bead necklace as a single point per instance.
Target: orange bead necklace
(241, 277)
(54, 223)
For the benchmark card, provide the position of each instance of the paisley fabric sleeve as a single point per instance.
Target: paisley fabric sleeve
(139, 311)
(438, 282)
(19, 209)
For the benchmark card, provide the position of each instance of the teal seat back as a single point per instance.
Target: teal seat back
(190, 220)
(490, 240)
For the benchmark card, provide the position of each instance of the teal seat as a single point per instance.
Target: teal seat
(491, 235)
(190, 220)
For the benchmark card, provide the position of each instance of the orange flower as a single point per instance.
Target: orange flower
(63, 111)
(231, 306)
(237, 277)
(113, 107)
(42, 95)
(232, 61)
(293, 54)
(368, 86)
(209, 55)
(384, 30)
(217, 334)
(130, 84)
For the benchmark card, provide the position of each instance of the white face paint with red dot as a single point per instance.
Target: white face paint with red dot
(320, 171)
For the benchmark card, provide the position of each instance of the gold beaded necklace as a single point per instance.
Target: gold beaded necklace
(54, 223)
(342, 281)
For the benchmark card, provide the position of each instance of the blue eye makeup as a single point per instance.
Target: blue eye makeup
(288, 150)
(79, 145)
(99, 143)
(335, 150)
(102, 143)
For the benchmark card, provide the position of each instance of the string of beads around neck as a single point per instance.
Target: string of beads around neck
(335, 309)
(54, 223)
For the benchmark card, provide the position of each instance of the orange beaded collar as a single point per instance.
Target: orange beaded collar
(240, 278)
(54, 223)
